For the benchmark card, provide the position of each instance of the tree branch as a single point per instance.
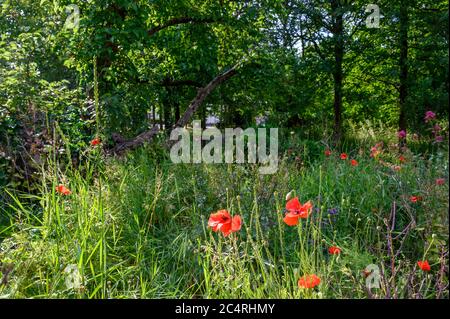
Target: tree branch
(202, 94)
(180, 20)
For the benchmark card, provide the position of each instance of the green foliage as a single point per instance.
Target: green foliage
(137, 228)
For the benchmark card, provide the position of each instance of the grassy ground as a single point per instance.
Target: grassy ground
(137, 228)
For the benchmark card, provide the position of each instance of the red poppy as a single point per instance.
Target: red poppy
(424, 265)
(402, 159)
(327, 153)
(415, 199)
(333, 250)
(295, 211)
(223, 222)
(354, 162)
(95, 141)
(308, 281)
(63, 190)
(440, 181)
(343, 156)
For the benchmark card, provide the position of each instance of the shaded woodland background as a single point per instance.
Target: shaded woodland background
(310, 65)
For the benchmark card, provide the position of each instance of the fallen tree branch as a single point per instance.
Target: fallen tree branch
(202, 94)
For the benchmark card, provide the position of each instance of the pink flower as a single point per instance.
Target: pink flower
(376, 150)
(436, 128)
(440, 181)
(438, 139)
(401, 134)
(429, 115)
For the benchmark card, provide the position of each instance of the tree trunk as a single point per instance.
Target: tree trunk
(403, 63)
(167, 115)
(203, 116)
(338, 33)
(153, 115)
(177, 110)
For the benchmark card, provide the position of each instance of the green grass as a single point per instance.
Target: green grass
(137, 228)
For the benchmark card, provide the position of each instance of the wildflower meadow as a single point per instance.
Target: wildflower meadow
(224, 150)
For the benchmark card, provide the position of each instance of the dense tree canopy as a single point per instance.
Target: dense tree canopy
(312, 64)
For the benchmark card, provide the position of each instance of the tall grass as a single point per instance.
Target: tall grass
(137, 228)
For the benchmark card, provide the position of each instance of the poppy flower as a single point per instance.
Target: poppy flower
(63, 190)
(401, 134)
(308, 281)
(429, 115)
(440, 181)
(343, 156)
(327, 153)
(424, 265)
(402, 159)
(374, 152)
(415, 199)
(295, 211)
(397, 168)
(96, 141)
(223, 222)
(333, 250)
(354, 162)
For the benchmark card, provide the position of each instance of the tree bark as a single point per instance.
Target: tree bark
(202, 94)
(403, 64)
(337, 30)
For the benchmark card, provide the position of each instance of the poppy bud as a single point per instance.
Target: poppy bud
(289, 195)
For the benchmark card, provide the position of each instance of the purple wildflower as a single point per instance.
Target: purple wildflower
(333, 211)
(429, 115)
